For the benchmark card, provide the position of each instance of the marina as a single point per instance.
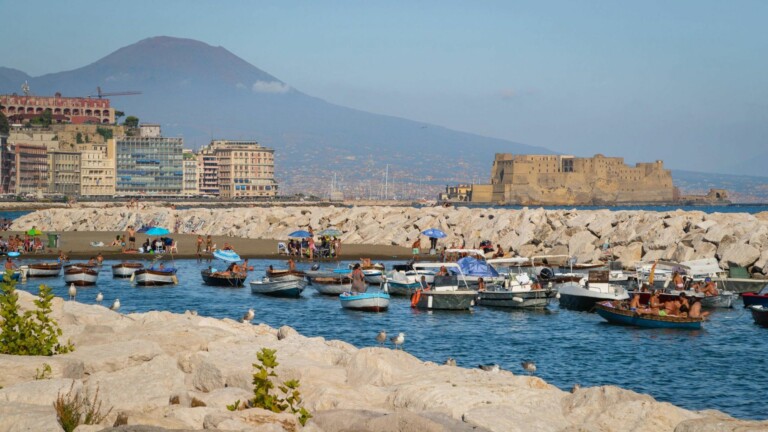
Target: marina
(562, 342)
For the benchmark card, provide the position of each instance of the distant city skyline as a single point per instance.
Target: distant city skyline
(680, 81)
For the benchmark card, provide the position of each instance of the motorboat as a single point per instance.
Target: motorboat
(588, 291)
(760, 314)
(759, 298)
(223, 279)
(402, 283)
(518, 290)
(51, 269)
(474, 269)
(80, 276)
(155, 276)
(125, 269)
(367, 301)
(444, 293)
(620, 315)
(289, 286)
(736, 279)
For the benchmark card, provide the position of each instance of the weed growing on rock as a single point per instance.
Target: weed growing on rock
(263, 388)
(74, 409)
(31, 332)
(44, 373)
(234, 406)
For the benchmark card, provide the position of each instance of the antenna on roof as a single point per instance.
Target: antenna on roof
(25, 88)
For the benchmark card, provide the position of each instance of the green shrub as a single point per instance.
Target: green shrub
(45, 373)
(31, 332)
(263, 388)
(74, 409)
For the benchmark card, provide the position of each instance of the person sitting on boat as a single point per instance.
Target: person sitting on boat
(654, 304)
(442, 272)
(424, 285)
(695, 311)
(677, 280)
(358, 279)
(480, 284)
(709, 288)
(99, 258)
(227, 246)
(685, 306)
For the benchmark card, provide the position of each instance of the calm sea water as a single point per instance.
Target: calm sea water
(720, 367)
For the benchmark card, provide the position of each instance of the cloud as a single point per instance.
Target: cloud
(270, 87)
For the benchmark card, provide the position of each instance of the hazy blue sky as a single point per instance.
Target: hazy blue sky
(683, 81)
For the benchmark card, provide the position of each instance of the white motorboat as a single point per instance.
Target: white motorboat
(43, 269)
(125, 269)
(584, 294)
(444, 293)
(518, 290)
(289, 286)
(155, 277)
(80, 276)
(402, 283)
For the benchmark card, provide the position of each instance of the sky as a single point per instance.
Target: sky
(685, 81)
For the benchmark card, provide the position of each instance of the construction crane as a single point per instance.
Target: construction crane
(100, 95)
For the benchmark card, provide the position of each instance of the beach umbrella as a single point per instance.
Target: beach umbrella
(331, 232)
(434, 233)
(156, 231)
(300, 234)
(34, 232)
(226, 255)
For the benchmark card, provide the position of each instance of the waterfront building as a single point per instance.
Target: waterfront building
(75, 110)
(191, 173)
(208, 180)
(149, 164)
(569, 180)
(31, 168)
(7, 167)
(245, 169)
(97, 169)
(64, 169)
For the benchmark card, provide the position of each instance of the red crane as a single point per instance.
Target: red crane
(100, 95)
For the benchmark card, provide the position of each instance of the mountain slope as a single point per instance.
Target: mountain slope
(199, 92)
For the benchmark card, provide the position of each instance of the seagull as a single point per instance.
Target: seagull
(115, 305)
(248, 317)
(529, 366)
(490, 367)
(72, 291)
(398, 340)
(381, 338)
(99, 297)
(575, 388)
(450, 361)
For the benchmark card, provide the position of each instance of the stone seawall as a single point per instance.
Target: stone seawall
(179, 371)
(633, 236)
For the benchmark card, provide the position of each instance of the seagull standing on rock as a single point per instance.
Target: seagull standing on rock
(529, 366)
(248, 317)
(72, 291)
(115, 305)
(398, 340)
(99, 297)
(381, 338)
(490, 367)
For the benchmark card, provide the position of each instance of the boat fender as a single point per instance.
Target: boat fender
(415, 298)
(517, 299)
(546, 273)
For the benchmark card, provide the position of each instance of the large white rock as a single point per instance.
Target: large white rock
(582, 245)
(741, 254)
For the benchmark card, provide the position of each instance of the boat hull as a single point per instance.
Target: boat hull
(147, 277)
(511, 299)
(125, 270)
(396, 288)
(576, 297)
(623, 317)
(751, 299)
(232, 281)
(445, 300)
(760, 315)
(43, 270)
(284, 287)
(331, 289)
(368, 302)
(80, 276)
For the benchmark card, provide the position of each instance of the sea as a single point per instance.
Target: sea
(719, 367)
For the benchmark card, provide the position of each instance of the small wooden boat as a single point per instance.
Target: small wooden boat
(279, 273)
(369, 302)
(760, 298)
(80, 276)
(288, 286)
(44, 269)
(760, 314)
(155, 277)
(223, 279)
(332, 285)
(622, 316)
(125, 269)
(89, 265)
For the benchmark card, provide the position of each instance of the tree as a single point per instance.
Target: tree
(118, 114)
(5, 127)
(47, 117)
(131, 121)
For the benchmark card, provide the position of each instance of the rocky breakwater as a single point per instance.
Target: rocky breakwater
(737, 238)
(179, 371)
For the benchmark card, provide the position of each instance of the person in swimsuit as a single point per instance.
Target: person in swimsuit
(131, 237)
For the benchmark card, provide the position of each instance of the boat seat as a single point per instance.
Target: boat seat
(282, 249)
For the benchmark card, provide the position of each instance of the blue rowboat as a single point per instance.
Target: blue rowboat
(369, 302)
(626, 317)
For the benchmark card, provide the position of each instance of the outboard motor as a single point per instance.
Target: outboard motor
(546, 273)
(316, 267)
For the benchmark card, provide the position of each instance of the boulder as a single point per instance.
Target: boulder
(582, 246)
(18, 417)
(743, 255)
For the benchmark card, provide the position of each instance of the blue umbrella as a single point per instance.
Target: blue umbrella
(156, 231)
(226, 255)
(434, 233)
(300, 234)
